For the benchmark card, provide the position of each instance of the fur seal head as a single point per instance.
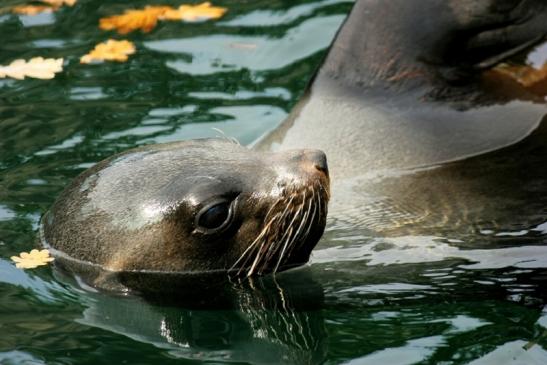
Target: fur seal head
(193, 206)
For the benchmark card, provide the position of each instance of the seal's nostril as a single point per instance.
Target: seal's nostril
(309, 160)
(319, 160)
(323, 168)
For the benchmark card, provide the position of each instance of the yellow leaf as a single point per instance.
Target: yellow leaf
(50, 6)
(143, 19)
(32, 9)
(193, 13)
(59, 3)
(146, 19)
(32, 259)
(111, 50)
(38, 68)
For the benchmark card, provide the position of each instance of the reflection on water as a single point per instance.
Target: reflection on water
(252, 121)
(416, 249)
(261, 322)
(37, 20)
(229, 53)
(261, 18)
(451, 293)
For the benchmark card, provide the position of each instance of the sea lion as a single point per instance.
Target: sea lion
(399, 92)
(205, 205)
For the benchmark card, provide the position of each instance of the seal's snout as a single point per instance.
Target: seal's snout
(310, 161)
(292, 216)
(319, 160)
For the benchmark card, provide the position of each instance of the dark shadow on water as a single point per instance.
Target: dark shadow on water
(270, 320)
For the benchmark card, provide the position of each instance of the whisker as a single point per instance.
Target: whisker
(253, 266)
(306, 216)
(319, 201)
(281, 256)
(285, 230)
(254, 243)
(272, 249)
(306, 222)
(315, 208)
(272, 207)
(266, 247)
(282, 245)
(246, 255)
(226, 137)
(327, 192)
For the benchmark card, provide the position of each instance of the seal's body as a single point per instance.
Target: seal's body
(402, 92)
(400, 89)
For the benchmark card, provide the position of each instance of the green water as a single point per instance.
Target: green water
(357, 303)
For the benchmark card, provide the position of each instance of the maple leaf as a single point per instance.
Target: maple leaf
(59, 3)
(48, 7)
(143, 19)
(111, 50)
(38, 68)
(32, 9)
(32, 259)
(146, 19)
(194, 13)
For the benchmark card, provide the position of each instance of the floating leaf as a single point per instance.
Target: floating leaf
(38, 68)
(147, 18)
(143, 19)
(32, 259)
(49, 6)
(194, 13)
(32, 9)
(111, 50)
(59, 3)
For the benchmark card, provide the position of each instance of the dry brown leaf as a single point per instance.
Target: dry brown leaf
(111, 50)
(143, 19)
(48, 7)
(32, 259)
(193, 13)
(38, 68)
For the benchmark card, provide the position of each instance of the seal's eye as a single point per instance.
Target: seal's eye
(215, 217)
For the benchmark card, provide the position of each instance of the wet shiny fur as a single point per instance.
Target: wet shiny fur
(137, 210)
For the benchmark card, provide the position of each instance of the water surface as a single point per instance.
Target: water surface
(474, 298)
